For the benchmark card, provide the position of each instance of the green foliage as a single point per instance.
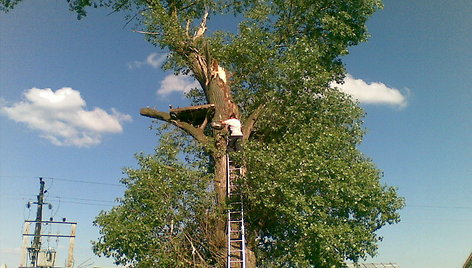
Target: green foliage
(313, 199)
(7, 5)
(287, 46)
(164, 216)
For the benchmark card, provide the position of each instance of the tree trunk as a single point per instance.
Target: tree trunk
(217, 91)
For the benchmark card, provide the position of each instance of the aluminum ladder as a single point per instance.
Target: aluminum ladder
(236, 246)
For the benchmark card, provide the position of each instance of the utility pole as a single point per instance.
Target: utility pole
(34, 255)
(36, 245)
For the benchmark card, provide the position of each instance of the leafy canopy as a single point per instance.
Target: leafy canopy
(312, 198)
(165, 215)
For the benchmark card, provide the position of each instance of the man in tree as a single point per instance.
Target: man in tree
(235, 133)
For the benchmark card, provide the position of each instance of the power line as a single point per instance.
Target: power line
(65, 179)
(84, 181)
(82, 199)
(71, 200)
(85, 203)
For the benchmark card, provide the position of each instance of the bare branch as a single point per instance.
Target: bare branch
(188, 6)
(207, 118)
(201, 30)
(131, 19)
(143, 32)
(187, 29)
(194, 249)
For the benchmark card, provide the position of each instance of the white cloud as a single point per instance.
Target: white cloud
(154, 60)
(177, 83)
(60, 117)
(372, 93)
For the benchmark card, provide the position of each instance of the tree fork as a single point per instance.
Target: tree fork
(195, 132)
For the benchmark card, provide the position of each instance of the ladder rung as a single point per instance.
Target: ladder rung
(236, 246)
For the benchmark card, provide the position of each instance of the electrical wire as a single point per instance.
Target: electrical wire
(84, 181)
(65, 179)
(84, 199)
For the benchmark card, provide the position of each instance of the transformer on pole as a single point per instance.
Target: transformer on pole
(36, 255)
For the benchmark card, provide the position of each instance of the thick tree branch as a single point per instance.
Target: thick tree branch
(207, 118)
(195, 132)
(249, 123)
(153, 113)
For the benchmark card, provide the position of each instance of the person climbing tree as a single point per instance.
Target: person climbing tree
(235, 133)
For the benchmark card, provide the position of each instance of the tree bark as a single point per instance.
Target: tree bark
(218, 92)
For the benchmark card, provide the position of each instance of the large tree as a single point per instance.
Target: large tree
(312, 198)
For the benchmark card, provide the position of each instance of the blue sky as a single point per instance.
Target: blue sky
(70, 94)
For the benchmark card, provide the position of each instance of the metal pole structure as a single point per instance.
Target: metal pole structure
(70, 258)
(36, 245)
(25, 244)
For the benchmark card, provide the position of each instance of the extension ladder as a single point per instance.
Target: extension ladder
(236, 246)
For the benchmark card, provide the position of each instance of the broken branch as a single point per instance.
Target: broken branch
(143, 32)
(201, 30)
(195, 132)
